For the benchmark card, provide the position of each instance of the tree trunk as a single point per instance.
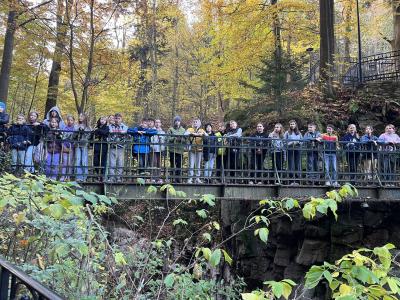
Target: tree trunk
(54, 77)
(153, 61)
(327, 45)
(175, 83)
(7, 54)
(396, 25)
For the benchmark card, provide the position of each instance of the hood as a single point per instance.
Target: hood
(51, 109)
(3, 106)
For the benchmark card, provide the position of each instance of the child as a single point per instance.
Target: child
(310, 139)
(68, 149)
(38, 131)
(54, 112)
(4, 119)
(117, 137)
(196, 134)
(141, 148)
(100, 148)
(82, 135)
(258, 152)
(54, 145)
(277, 155)
(293, 137)
(209, 152)
(176, 148)
(330, 144)
(370, 156)
(351, 146)
(19, 138)
(390, 140)
(233, 135)
(157, 147)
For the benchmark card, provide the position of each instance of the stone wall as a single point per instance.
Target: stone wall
(295, 245)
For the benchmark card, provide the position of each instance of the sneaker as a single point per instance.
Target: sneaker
(251, 182)
(160, 181)
(336, 184)
(294, 183)
(259, 182)
(327, 183)
(190, 181)
(198, 181)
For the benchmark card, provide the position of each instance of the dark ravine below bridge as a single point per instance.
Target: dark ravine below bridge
(370, 220)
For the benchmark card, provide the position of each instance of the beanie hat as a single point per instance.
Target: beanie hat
(177, 118)
(2, 105)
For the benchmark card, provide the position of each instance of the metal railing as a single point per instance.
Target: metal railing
(222, 160)
(15, 284)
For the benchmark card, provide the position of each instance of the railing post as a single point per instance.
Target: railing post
(4, 283)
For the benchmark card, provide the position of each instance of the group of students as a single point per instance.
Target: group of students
(62, 148)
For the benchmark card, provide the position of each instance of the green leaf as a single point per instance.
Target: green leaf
(202, 213)
(119, 259)
(216, 225)
(327, 276)
(181, 194)
(140, 181)
(263, 233)
(169, 280)
(308, 211)
(227, 258)
(393, 285)
(179, 221)
(287, 290)
(250, 296)
(206, 236)
(56, 210)
(151, 189)
(206, 253)
(215, 257)
(208, 199)
(313, 276)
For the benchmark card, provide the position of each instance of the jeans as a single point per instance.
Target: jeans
(195, 163)
(175, 160)
(29, 159)
(330, 161)
(116, 163)
(18, 159)
(294, 163)
(143, 161)
(53, 165)
(277, 163)
(257, 164)
(312, 165)
(209, 165)
(100, 158)
(155, 159)
(389, 163)
(67, 164)
(81, 163)
(352, 161)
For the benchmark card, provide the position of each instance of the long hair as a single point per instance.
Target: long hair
(296, 130)
(281, 132)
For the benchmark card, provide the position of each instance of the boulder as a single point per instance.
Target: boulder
(312, 251)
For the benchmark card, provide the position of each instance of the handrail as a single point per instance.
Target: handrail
(11, 276)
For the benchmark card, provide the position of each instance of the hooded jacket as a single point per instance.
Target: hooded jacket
(61, 123)
(141, 141)
(4, 119)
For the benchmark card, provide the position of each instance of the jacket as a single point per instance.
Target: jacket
(310, 139)
(258, 143)
(368, 145)
(351, 142)
(294, 139)
(276, 142)
(210, 145)
(196, 142)
(233, 139)
(19, 136)
(175, 142)
(82, 135)
(54, 141)
(141, 141)
(38, 131)
(389, 141)
(118, 135)
(330, 143)
(158, 141)
(4, 119)
(67, 134)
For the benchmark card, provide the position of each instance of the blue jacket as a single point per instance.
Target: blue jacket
(19, 136)
(351, 142)
(368, 145)
(141, 141)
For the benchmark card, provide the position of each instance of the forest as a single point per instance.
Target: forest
(203, 58)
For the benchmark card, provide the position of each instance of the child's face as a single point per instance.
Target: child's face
(311, 128)
(53, 114)
(196, 123)
(20, 120)
(233, 125)
(260, 128)
(70, 121)
(352, 129)
(81, 118)
(292, 125)
(103, 120)
(221, 127)
(329, 130)
(118, 120)
(208, 128)
(53, 123)
(150, 123)
(111, 120)
(144, 124)
(277, 128)
(32, 118)
(158, 124)
(368, 130)
(389, 129)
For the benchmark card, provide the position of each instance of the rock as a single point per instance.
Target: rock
(283, 255)
(295, 272)
(315, 231)
(373, 219)
(312, 251)
(377, 238)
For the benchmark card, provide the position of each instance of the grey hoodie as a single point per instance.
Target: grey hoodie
(61, 124)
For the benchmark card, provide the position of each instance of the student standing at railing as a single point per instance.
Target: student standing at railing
(54, 145)
(67, 156)
(38, 131)
(293, 139)
(210, 150)
(176, 148)
(370, 144)
(311, 146)
(100, 148)
(221, 153)
(141, 144)
(351, 146)
(81, 137)
(111, 120)
(196, 135)
(258, 153)
(277, 149)
(233, 135)
(117, 140)
(390, 140)
(330, 144)
(19, 138)
(157, 150)
(4, 119)
(54, 112)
